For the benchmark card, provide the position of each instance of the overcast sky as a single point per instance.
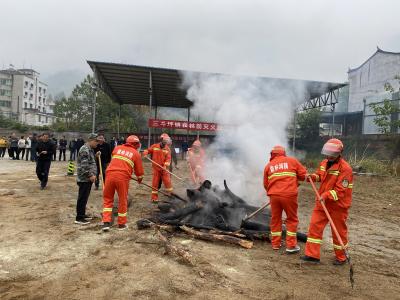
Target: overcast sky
(316, 40)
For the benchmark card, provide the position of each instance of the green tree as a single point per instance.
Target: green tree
(308, 124)
(384, 111)
(75, 112)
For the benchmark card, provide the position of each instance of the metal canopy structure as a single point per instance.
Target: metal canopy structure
(132, 84)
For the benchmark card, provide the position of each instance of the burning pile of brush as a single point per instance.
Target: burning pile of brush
(213, 214)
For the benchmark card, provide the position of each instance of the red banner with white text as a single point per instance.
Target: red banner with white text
(173, 124)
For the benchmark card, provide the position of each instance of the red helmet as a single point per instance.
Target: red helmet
(133, 140)
(165, 138)
(278, 150)
(196, 143)
(332, 147)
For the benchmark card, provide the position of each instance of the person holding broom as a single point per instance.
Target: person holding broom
(125, 160)
(336, 178)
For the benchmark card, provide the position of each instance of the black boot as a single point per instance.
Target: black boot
(309, 259)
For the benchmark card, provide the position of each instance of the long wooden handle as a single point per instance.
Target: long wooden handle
(257, 211)
(164, 168)
(101, 172)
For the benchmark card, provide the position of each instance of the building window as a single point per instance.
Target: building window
(26, 95)
(26, 83)
(30, 96)
(47, 120)
(26, 105)
(31, 105)
(44, 100)
(31, 87)
(5, 93)
(40, 89)
(5, 103)
(40, 99)
(44, 110)
(40, 118)
(44, 91)
(39, 108)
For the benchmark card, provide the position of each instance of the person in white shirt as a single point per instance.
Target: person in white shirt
(28, 146)
(21, 147)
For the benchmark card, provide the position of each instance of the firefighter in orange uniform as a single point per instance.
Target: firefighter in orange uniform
(336, 177)
(161, 154)
(125, 160)
(281, 177)
(195, 158)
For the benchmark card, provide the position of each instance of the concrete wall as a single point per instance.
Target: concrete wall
(369, 79)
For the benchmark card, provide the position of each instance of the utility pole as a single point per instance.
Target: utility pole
(294, 131)
(94, 87)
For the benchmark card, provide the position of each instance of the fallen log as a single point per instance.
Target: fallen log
(217, 237)
(169, 248)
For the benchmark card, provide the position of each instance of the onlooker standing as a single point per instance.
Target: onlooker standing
(14, 147)
(105, 154)
(54, 140)
(28, 146)
(86, 175)
(3, 146)
(185, 148)
(34, 143)
(44, 152)
(113, 143)
(72, 149)
(79, 143)
(21, 147)
(62, 146)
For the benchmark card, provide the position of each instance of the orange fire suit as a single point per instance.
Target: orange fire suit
(281, 177)
(162, 156)
(196, 164)
(336, 190)
(125, 160)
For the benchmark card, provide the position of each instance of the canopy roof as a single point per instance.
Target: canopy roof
(130, 84)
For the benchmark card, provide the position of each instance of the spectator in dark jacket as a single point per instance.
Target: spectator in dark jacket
(44, 152)
(105, 154)
(34, 143)
(54, 140)
(79, 143)
(14, 147)
(62, 146)
(72, 149)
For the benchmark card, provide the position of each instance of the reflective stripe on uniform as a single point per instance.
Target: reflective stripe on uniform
(170, 189)
(280, 174)
(315, 241)
(338, 247)
(156, 149)
(334, 195)
(167, 164)
(276, 233)
(154, 192)
(165, 151)
(322, 168)
(131, 163)
(336, 173)
(122, 215)
(350, 186)
(290, 233)
(107, 209)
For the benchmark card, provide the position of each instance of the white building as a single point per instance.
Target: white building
(24, 97)
(367, 85)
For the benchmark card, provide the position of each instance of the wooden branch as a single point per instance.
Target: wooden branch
(170, 248)
(217, 237)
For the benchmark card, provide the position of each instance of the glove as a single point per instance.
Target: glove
(314, 177)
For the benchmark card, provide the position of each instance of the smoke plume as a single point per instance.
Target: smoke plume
(252, 114)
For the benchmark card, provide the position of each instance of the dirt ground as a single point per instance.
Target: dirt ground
(43, 255)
